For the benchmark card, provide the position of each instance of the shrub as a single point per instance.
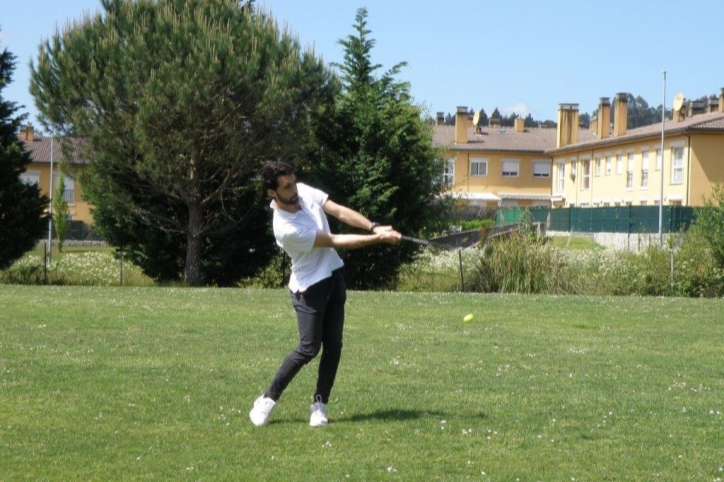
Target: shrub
(473, 224)
(710, 221)
(273, 275)
(26, 271)
(696, 272)
(436, 271)
(522, 263)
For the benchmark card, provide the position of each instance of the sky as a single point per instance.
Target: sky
(524, 56)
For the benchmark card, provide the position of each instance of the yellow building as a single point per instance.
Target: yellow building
(497, 166)
(626, 167)
(43, 150)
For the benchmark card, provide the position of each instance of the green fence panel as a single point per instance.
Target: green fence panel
(620, 219)
(560, 220)
(606, 220)
(645, 219)
(581, 219)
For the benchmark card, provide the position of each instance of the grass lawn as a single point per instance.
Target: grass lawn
(109, 383)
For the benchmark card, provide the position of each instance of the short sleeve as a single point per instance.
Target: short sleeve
(319, 197)
(299, 239)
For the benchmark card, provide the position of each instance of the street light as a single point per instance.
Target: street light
(50, 218)
(661, 186)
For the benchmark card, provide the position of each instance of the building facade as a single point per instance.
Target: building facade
(629, 167)
(498, 166)
(604, 165)
(45, 151)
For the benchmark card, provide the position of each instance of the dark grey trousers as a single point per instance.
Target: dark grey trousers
(320, 319)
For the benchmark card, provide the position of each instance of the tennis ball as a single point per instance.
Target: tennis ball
(468, 318)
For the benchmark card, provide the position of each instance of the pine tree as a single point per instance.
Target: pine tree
(377, 157)
(60, 213)
(22, 221)
(180, 102)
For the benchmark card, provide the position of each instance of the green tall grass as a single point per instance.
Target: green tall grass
(75, 265)
(156, 383)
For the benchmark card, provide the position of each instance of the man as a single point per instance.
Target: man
(316, 283)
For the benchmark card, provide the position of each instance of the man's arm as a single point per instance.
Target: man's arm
(353, 241)
(381, 234)
(351, 217)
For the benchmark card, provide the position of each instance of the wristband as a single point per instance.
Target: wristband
(373, 226)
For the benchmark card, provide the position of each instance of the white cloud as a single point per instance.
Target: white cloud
(521, 108)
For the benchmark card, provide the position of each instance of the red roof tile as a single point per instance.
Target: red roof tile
(532, 140)
(713, 122)
(39, 149)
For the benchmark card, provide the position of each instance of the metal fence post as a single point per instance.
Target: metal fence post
(462, 276)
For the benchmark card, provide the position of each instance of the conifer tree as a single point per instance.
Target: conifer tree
(378, 158)
(60, 213)
(180, 102)
(22, 219)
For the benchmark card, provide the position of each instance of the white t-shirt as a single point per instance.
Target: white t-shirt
(295, 234)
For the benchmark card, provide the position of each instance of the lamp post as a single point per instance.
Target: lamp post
(50, 218)
(661, 185)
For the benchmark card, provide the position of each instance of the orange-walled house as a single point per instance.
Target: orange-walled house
(504, 167)
(625, 167)
(38, 172)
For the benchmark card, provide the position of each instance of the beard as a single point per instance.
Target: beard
(291, 201)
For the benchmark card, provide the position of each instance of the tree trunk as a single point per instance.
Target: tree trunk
(192, 269)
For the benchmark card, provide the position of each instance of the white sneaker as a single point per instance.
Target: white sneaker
(318, 416)
(263, 407)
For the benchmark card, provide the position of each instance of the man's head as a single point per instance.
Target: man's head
(272, 170)
(281, 184)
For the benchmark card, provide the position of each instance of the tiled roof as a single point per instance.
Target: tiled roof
(532, 140)
(39, 149)
(699, 123)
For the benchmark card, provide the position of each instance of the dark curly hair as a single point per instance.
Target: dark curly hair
(272, 170)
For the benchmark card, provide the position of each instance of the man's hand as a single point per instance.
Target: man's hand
(388, 235)
(382, 229)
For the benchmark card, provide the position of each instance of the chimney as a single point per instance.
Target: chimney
(440, 120)
(567, 125)
(713, 105)
(461, 125)
(721, 100)
(620, 116)
(604, 116)
(519, 124)
(494, 122)
(470, 119)
(27, 133)
(696, 108)
(594, 124)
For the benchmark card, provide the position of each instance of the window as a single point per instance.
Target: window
(573, 169)
(510, 167)
(586, 177)
(629, 170)
(448, 176)
(478, 167)
(599, 167)
(69, 193)
(619, 164)
(30, 177)
(658, 159)
(609, 165)
(677, 165)
(541, 169)
(560, 182)
(644, 169)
